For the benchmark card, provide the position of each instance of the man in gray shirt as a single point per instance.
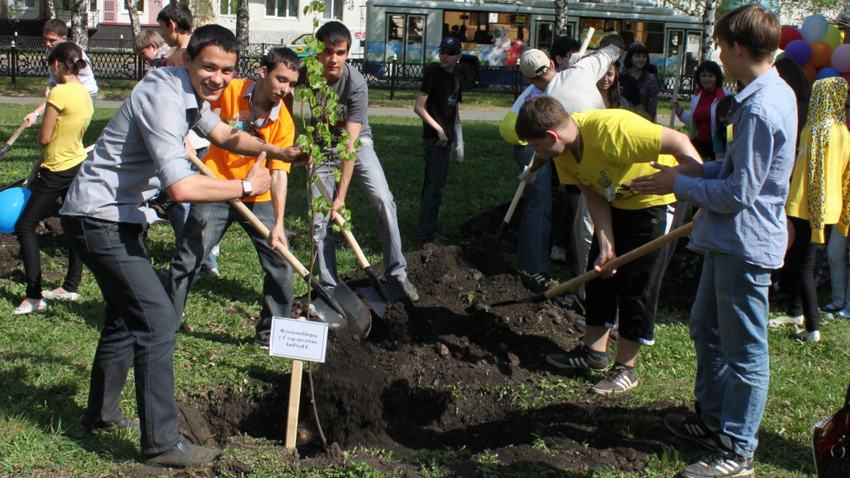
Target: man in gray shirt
(354, 101)
(106, 213)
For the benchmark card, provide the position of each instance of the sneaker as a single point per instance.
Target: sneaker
(409, 289)
(122, 423)
(843, 313)
(262, 338)
(535, 281)
(212, 272)
(832, 307)
(29, 306)
(690, 427)
(805, 336)
(558, 253)
(618, 380)
(579, 358)
(64, 295)
(183, 454)
(721, 465)
(783, 320)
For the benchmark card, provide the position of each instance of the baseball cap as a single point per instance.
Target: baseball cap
(450, 45)
(534, 63)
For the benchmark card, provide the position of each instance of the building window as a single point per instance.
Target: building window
(333, 9)
(227, 7)
(25, 4)
(282, 8)
(63, 5)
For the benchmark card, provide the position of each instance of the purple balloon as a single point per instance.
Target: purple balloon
(827, 72)
(799, 51)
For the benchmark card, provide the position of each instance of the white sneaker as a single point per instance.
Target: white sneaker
(66, 296)
(558, 253)
(832, 308)
(783, 320)
(805, 336)
(843, 313)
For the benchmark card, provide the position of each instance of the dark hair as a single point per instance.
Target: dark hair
(711, 67)
(721, 112)
(636, 48)
(796, 79)
(612, 96)
(212, 35)
(539, 115)
(753, 27)
(334, 32)
(56, 26)
(278, 55)
(563, 47)
(69, 55)
(177, 13)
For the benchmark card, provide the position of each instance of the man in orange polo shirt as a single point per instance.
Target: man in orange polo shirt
(255, 107)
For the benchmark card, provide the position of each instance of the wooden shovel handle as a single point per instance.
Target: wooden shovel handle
(242, 209)
(619, 261)
(17, 133)
(517, 195)
(586, 42)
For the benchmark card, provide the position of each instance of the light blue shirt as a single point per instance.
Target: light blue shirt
(140, 152)
(743, 197)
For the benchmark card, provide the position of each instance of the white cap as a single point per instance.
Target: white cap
(534, 63)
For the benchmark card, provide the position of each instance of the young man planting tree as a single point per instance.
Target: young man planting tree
(353, 94)
(601, 151)
(257, 108)
(742, 233)
(105, 215)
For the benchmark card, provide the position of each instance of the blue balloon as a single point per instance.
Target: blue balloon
(799, 51)
(12, 202)
(814, 27)
(827, 72)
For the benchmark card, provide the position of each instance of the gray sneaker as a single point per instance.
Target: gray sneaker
(579, 358)
(184, 454)
(618, 380)
(409, 289)
(723, 464)
(690, 427)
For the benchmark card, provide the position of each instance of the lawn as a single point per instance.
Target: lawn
(46, 357)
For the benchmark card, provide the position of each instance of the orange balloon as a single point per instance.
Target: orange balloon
(810, 71)
(821, 54)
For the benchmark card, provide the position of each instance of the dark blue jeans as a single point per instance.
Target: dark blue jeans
(436, 172)
(535, 225)
(139, 329)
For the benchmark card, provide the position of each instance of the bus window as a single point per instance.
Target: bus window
(693, 51)
(405, 38)
(415, 44)
(395, 37)
(545, 35)
(675, 53)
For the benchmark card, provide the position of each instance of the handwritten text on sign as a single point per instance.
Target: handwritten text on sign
(298, 339)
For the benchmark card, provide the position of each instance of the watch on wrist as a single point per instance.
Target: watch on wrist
(247, 189)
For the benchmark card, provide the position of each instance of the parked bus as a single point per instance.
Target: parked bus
(496, 32)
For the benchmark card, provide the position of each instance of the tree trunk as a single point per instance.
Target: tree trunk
(135, 26)
(707, 29)
(242, 17)
(80, 23)
(51, 9)
(561, 18)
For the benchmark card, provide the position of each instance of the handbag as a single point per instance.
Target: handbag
(831, 443)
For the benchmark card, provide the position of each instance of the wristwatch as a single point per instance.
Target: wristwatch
(247, 189)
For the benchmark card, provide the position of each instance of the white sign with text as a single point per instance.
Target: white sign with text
(299, 339)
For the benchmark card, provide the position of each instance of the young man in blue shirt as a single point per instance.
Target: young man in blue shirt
(743, 235)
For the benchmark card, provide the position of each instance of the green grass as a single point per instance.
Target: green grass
(45, 359)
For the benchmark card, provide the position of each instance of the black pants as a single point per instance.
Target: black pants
(139, 330)
(49, 187)
(633, 290)
(801, 271)
(436, 173)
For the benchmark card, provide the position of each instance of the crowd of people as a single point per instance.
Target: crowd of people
(586, 120)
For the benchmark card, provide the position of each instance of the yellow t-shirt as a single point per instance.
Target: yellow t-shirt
(835, 160)
(66, 149)
(618, 146)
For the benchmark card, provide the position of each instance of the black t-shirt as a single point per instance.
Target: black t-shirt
(444, 94)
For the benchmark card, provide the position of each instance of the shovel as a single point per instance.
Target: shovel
(337, 306)
(9, 142)
(619, 261)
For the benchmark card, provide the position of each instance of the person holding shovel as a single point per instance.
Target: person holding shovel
(257, 108)
(601, 151)
(105, 214)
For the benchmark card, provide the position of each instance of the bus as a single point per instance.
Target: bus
(496, 32)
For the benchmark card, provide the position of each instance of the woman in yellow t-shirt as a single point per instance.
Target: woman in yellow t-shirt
(66, 117)
(818, 195)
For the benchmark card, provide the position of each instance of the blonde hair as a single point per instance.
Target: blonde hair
(147, 38)
(202, 20)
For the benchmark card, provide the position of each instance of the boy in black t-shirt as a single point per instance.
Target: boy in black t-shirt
(437, 105)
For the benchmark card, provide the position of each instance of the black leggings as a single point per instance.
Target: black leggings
(801, 270)
(49, 187)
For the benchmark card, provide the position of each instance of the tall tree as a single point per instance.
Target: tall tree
(561, 23)
(50, 9)
(242, 17)
(80, 23)
(135, 25)
(707, 30)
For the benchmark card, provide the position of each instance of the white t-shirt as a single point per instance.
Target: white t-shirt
(575, 87)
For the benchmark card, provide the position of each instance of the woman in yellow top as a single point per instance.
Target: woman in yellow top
(819, 191)
(68, 113)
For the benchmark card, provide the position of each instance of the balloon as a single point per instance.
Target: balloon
(821, 54)
(13, 201)
(789, 34)
(832, 37)
(811, 72)
(814, 27)
(799, 51)
(841, 58)
(827, 72)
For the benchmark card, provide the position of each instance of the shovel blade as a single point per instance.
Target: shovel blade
(321, 309)
(374, 300)
(353, 307)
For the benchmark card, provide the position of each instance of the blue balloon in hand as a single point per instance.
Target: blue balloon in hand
(12, 202)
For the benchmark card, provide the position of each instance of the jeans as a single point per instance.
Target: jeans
(729, 328)
(47, 188)
(139, 329)
(369, 174)
(204, 229)
(535, 225)
(836, 252)
(436, 172)
(178, 215)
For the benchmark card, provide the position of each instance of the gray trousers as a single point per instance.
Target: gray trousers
(369, 174)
